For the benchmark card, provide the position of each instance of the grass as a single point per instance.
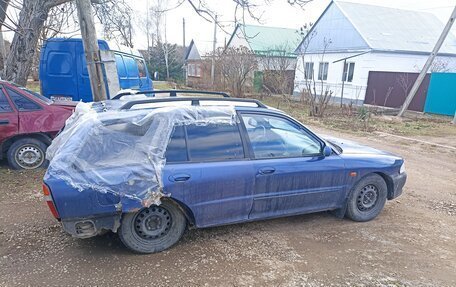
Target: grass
(34, 86)
(164, 85)
(351, 121)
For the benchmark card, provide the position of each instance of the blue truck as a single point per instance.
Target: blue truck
(63, 70)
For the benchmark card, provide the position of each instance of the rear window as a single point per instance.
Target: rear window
(214, 142)
(22, 103)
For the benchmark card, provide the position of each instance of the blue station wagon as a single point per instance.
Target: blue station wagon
(150, 168)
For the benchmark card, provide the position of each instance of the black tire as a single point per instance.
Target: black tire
(27, 153)
(367, 198)
(153, 229)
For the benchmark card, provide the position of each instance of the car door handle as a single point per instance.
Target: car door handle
(4, 122)
(266, 170)
(179, 177)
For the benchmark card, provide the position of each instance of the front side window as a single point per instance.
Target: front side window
(141, 67)
(308, 70)
(4, 104)
(323, 71)
(276, 137)
(349, 70)
(214, 142)
(22, 103)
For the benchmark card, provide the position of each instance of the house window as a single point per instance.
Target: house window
(308, 70)
(194, 70)
(323, 71)
(349, 69)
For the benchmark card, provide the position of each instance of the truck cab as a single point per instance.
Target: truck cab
(64, 76)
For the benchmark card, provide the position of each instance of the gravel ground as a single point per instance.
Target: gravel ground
(412, 243)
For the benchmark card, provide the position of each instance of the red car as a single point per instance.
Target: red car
(28, 123)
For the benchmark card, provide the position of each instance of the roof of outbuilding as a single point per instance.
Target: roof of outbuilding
(265, 39)
(392, 29)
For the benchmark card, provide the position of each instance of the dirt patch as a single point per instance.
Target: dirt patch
(410, 244)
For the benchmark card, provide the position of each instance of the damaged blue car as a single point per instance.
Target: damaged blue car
(150, 168)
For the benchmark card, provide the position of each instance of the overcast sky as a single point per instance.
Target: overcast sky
(278, 13)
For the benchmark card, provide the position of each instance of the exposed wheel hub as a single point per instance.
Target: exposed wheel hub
(153, 222)
(367, 198)
(29, 157)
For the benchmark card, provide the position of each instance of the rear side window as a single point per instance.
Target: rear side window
(214, 142)
(22, 103)
(177, 148)
(120, 66)
(4, 104)
(132, 68)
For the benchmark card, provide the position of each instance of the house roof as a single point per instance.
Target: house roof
(265, 39)
(390, 29)
(192, 52)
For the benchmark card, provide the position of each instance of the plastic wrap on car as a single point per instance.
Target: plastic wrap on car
(123, 152)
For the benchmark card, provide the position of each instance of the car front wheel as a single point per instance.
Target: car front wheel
(27, 153)
(153, 229)
(367, 198)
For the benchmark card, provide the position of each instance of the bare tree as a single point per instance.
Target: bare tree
(32, 17)
(405, 83)
(278, 66)
(317, 99)
(236, 66)
(3, 6)
(116, 18)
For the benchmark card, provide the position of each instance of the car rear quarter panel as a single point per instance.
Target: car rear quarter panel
(48, 120)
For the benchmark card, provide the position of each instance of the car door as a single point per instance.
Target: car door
(292, 176)
(31, 116)
(9, 119)
(208, 171)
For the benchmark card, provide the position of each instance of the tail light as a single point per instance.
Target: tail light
(49, 201)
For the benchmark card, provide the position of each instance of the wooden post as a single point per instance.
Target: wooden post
(91, 50)
(428, 64)
(214, 43)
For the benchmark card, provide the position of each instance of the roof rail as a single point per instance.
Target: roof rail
(172, 93)
(195, 101)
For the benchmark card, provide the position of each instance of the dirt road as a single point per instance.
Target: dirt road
(412, 243)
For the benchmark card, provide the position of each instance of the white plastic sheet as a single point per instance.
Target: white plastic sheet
(123, 152)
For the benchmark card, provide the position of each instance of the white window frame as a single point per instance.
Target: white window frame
(308, 75)
(323, 69)
(346, 72)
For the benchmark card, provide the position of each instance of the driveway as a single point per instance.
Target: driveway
(411, 243)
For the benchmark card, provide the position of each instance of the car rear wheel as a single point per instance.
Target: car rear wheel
(27, 153)
(153, 229)
(367, 198)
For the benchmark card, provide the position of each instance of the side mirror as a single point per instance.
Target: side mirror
(327, 151)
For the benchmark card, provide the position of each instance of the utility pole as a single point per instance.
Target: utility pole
(183, 32)
(454, 119)
(428, 64)
(213, 52)
(91, 50)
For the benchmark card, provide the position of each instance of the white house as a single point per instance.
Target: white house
(351, 39)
